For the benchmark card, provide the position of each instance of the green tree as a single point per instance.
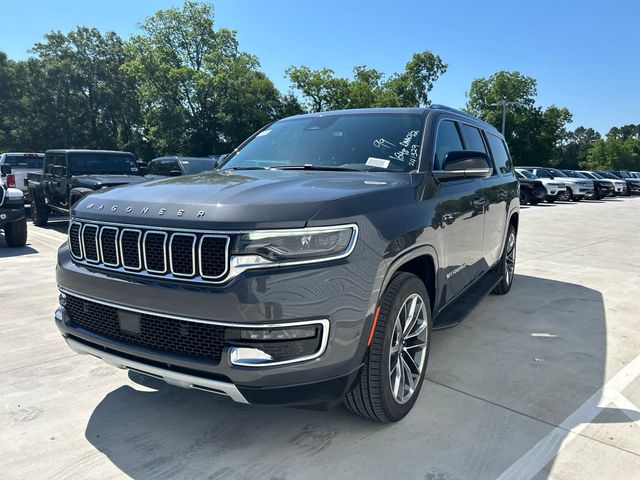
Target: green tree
(535, 135)
(576, 144)
(322, 90)
(200, 93)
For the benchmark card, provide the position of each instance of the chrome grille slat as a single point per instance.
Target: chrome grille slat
(90, 246)
(171, 254)
(182, 259)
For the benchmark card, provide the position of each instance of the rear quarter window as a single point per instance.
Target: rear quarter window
(499, 153)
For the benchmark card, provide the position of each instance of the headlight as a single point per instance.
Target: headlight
(303, 245)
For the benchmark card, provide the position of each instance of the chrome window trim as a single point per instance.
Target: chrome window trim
(193, 255)
(324, 340)
(102, 229)
(226, 256)
(84, 249)
(164, 251)
(81, 257)
(122, 232)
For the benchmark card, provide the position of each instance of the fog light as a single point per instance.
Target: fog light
(295, 333)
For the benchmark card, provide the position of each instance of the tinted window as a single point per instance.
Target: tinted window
(162, 167)
(197, 165)
(357, 141)
(102, 163)
(448, 140)
(24, 161)
(500, 154)
(527, 174)
(473, 139)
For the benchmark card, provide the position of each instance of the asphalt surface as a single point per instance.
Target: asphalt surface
(541, 383)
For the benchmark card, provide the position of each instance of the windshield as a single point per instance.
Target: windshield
(197, 165)
(624, 174)
(609, 175)
(102, 163)
(542, 173)
(575, 174)
(364, 142)
(527, 173)
(24, 161)
(556, 173)
(593, 175)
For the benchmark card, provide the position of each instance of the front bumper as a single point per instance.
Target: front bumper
(310, 293)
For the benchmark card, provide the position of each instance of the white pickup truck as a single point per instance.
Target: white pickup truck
(22, 164)
(12, 217)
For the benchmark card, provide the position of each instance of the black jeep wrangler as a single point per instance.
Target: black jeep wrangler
(68, 175)
(309, 269)
(12, 218)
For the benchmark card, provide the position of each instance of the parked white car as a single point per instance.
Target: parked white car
(576, 188)
(21, 164)
(554, 188)
(619, 186)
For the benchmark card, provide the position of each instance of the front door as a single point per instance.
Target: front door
(460, 212)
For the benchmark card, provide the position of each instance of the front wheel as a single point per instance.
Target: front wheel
(507, 266)
(396, 362)
(39, 212)
(569, 195)
(16, 233)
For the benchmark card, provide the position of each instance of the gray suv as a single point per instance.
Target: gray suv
(308, 269)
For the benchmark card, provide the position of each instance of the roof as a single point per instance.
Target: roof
(399, 111)
(22, 153)
(80, 150)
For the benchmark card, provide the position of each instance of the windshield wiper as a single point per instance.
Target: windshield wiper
(308, 166)
(244, 168)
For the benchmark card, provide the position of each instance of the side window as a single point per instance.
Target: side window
(500, 154)
(448, 140)
(49, 160)
(473, 139)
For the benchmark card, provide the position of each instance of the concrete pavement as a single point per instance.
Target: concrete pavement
(541, 383)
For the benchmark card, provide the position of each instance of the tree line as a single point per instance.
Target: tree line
(183, 87)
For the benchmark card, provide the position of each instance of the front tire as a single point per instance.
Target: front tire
(395, 365)
(507, 263)
(16, 233)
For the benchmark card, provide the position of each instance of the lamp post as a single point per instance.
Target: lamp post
(504, 104)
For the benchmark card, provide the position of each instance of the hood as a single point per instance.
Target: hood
(234, 199)
(99, 181)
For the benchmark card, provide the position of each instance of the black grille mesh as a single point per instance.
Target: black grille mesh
(89, 234)
(213, 256)
(154, 251)
(198, 340)
(130, 249)
(108, 241)
(74, 239)
(182, 254)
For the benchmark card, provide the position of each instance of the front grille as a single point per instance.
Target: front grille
(197, 340)
(175, 255)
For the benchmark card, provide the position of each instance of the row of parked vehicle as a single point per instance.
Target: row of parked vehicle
(53, 181)
(539, 184)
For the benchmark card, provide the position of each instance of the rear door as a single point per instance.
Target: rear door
(461, 218)
(498, 189)
(59, 183)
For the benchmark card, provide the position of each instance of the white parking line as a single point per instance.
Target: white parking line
(550, 446)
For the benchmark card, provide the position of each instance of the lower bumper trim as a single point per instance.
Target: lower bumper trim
(172, 378)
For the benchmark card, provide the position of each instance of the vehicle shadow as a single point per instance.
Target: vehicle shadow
(496, 385)
(59, 224)
(7, 252)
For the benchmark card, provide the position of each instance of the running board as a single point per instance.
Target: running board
(456, 311)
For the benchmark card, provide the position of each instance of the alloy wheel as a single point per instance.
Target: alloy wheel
(408, 348)
(510, 258)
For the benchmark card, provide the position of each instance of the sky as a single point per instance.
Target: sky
(584, 54)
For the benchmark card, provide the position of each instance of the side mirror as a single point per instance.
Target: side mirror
(58, 170)
(5, 169)
(459, 164)
(175, 173)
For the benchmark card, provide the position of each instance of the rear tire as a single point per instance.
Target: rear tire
(396, 361)
(16, 233)
(507, 266)
(524, 197)
(39, 212)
